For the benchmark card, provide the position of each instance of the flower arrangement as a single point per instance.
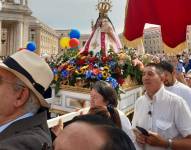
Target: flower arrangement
(81, 70)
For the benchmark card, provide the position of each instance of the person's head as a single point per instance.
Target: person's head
(101, 18)
(156, 60)
(188, 78)
(173, 60)
(116, 139)
(101, 111)
(186, 60)
(169, 73)
(102, 94)
(92, 132)
(109, 113)
(152, 78)
(23, 78)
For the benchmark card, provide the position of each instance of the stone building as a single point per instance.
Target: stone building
(44, 36)
(14, 24)
(152, 40)
(188, 38)
(17, 27)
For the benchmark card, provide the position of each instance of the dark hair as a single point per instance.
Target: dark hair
(108, 93)
(116, 139)
(110, 97)
(91, 119)
(100, 111)
(157, 66)
(178, 56)
(166, 66)
(103, 17)
(109, 113)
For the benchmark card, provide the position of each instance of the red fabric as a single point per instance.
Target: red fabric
(88, 42)
(172, 15)
(103, 49)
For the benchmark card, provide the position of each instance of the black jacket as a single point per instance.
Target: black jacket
(30, 133)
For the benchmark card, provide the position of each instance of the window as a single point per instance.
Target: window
(32, 35)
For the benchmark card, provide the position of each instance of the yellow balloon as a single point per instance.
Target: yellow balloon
(64, 42)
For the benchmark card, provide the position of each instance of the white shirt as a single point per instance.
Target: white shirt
(126, 125)
(127, 128)
(170, 116)
(181, 90)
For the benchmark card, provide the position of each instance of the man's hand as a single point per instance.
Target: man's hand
(57, 129)
(154, 139)
(140, 138)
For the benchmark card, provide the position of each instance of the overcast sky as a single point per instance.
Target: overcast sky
(67, 14)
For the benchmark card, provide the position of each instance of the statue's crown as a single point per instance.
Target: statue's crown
(104, 6)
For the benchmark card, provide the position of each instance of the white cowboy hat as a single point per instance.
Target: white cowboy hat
(32, 70)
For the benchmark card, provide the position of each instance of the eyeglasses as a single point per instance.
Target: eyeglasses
(9, 82)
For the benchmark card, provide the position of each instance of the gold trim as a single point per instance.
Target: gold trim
(174, 51)
(104, 6)
(167, 50)
(75, 89)
(135, 43)
(126, 8)
(61, 112)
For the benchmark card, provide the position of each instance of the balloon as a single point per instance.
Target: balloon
(74, 43)
(31, 46)
(74, 33)
(64, 42)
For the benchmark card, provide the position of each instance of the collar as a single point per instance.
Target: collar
(3, 127)
(37, 120)
(157, 95)
(176, 82)
(172, 86)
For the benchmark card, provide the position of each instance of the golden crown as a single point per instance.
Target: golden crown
(104, 6)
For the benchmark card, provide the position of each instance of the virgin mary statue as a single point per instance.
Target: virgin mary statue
(103, 37)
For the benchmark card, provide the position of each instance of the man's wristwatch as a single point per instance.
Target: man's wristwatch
(169, 144)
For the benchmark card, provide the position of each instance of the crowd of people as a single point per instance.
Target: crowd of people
(162, 115)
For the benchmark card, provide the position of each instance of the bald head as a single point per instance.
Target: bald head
(79, 135)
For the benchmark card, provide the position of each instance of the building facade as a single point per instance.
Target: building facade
(188, 38)
(17, 27)
(153, 40)
(44, 36)
(14, 24)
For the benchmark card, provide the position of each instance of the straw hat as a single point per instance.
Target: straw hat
(32, 70)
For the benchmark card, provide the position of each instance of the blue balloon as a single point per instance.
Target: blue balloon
(31, 46)
(74, 33)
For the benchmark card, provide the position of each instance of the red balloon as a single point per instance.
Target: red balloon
(74, 43)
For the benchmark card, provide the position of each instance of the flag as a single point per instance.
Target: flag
(172, 15)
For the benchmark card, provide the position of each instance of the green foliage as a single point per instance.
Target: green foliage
(117, 66)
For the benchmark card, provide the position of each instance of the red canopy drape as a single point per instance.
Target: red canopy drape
(172, 15)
